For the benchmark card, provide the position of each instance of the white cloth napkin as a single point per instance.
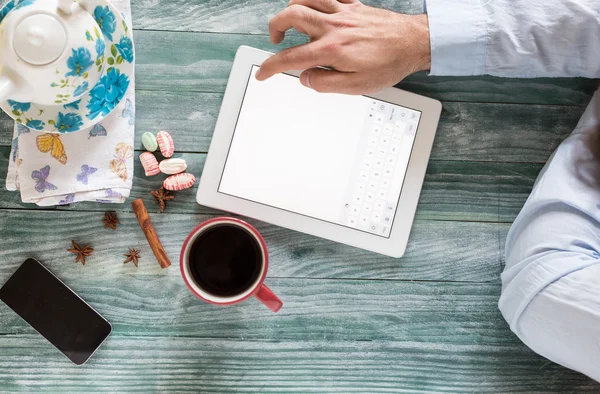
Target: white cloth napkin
(97, 164)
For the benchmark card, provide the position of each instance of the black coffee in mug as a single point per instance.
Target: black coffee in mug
(225, 260)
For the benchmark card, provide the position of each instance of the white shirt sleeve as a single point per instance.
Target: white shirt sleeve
(551, 283)
(515, 38)
(562, 322)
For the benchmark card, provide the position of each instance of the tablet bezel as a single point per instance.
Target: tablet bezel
(394, 246)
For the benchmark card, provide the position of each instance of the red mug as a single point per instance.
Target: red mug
(258, 289)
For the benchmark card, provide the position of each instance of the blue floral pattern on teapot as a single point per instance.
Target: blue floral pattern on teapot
(108, 51)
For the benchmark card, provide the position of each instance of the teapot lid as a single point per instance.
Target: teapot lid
(40, 39)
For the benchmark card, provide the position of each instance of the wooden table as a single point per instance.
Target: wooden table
(353, 321)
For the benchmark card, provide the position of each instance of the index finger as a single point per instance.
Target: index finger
(297, 58)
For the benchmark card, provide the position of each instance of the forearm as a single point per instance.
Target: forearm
(418, 30)
(515, 38)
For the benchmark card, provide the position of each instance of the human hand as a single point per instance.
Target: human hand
(368, 48)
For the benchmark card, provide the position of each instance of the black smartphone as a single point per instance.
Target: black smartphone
(55, 311)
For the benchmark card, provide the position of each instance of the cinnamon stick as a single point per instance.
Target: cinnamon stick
(144, 218)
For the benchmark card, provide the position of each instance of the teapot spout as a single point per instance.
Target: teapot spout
(7, 87)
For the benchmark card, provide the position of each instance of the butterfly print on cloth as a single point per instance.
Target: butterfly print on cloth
(69, 198)
(40, 177)
(53, 144)
(86, 171)
(98, 131)
(112, 193)
(129, 112)
(118, 165)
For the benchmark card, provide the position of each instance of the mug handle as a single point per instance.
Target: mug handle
(267, 297)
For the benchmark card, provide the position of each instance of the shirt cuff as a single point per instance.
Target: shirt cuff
(458, 31)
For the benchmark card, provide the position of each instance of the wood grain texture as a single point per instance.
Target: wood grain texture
(176, 61)
(129, 364)
(476, 191)
(6, 128)
(438, 250)
(467, 131)
(341, 310)
(172, 61)
(228, 16)
(466, 191)
(552, 91)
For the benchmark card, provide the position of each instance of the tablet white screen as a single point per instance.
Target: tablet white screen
(337, 158)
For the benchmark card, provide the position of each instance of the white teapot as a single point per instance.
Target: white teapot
(45, 57)
(64, 64)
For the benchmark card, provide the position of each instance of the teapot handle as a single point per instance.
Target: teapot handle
(7, 87)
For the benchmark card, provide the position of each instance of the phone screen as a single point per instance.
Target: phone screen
(55, 311)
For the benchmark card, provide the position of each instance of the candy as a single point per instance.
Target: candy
(165, 143)
(179, 182)
(172, 166)
(149, 142)
(149, 163)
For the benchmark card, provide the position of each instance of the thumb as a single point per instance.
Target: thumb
(331, 81)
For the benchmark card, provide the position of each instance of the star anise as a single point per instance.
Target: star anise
(162, 196)
(133, 255)
(110, 220)
(80, 252)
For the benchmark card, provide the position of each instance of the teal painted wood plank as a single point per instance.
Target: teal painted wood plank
(438, 250)
(173, 61)
(516, 184)
(228, 16)
(467, 191)
(467, 131)
(144, 365)
(552, 91)
(352, 310)
(475, 191)
(502, 132)
(6, 127)
(176, 61)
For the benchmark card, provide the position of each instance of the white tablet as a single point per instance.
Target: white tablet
(346, 168)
